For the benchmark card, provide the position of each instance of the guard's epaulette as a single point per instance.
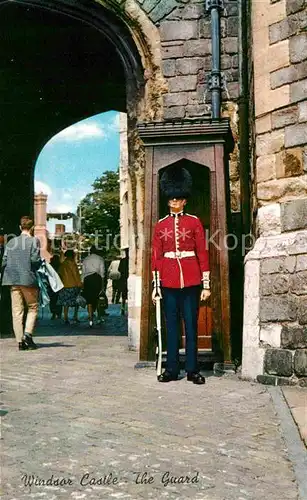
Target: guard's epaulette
(195, 216)
(163, 218)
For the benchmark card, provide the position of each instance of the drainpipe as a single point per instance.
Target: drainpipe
(215, 83)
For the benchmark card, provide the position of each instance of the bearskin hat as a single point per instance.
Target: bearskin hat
(176, 182)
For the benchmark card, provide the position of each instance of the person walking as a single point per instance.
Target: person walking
(55, 309)
(93, 271)
(180, 263)
(20, 261)
(114, 275)
(123, 269)
(70, 276)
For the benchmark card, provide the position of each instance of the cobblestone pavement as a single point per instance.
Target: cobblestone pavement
(77, 411)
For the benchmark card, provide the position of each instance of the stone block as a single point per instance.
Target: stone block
(161, 10)
(175, 99)
(299, 283)
(274, 284)
(294, 6)
(294, 215)
(266, 285)
(226, 61)
(269, 220)
(285, 116)
(278, 56)
(294, 337)
(194, 48)
(280, 283)
(231, 9)
(266, 100)
(272, 265)
(232, 26)
(182, 83)
(188, 66)
(270, 334)
(174, 112)
(305, 159)
(298, 91)
(233, 91)
(278, 308)
(205, 28)
(281, 190)
(300, 363)
(266, 168)
(193, 11)
(302, 111)
(269, 143)
(301, 262)
(278, 362)
(302, 310)
(172, 51)
(178, 30)
(298, 244)
(298, 47)
(169, 67)
(235, 61)
(279, 31)
(289, 163)
(230, 45)
(263, 124)
(196, 110)
(296, 135)
(289, 264)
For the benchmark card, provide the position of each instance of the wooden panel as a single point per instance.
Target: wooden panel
(146, 310)
(204, 328)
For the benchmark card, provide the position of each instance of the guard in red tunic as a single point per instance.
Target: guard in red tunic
(180, 264)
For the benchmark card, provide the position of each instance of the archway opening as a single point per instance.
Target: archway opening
(57, 69)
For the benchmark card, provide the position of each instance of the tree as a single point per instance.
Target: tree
(100, 210)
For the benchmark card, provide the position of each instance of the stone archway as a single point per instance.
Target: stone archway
(129, 37)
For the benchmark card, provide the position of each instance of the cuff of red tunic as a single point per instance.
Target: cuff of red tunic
(206, 280)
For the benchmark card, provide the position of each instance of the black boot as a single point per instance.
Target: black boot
(167, 377)
(30, 343)
(22, 346)
(196, 378)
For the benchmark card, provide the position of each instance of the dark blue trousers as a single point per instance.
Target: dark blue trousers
(181, 303)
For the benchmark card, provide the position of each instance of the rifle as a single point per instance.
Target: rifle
(159, 337)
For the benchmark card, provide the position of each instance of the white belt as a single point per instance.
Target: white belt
(179, 255)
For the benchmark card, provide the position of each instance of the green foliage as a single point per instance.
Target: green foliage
(100, 211)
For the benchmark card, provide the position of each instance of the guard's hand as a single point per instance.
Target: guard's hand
(156, 294)
(205, 294)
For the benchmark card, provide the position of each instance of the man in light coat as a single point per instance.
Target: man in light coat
(20, 261)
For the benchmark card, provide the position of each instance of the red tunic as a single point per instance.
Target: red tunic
(177, 233)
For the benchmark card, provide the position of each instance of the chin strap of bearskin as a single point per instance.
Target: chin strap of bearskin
(206, 280)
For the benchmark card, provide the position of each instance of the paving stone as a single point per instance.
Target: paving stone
(77, 408)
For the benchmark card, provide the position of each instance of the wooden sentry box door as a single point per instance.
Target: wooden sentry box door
(204, 328)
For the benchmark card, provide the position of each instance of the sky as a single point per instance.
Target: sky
(71, 161)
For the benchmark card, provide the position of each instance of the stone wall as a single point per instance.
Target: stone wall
(275, 297)
(185, 37)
